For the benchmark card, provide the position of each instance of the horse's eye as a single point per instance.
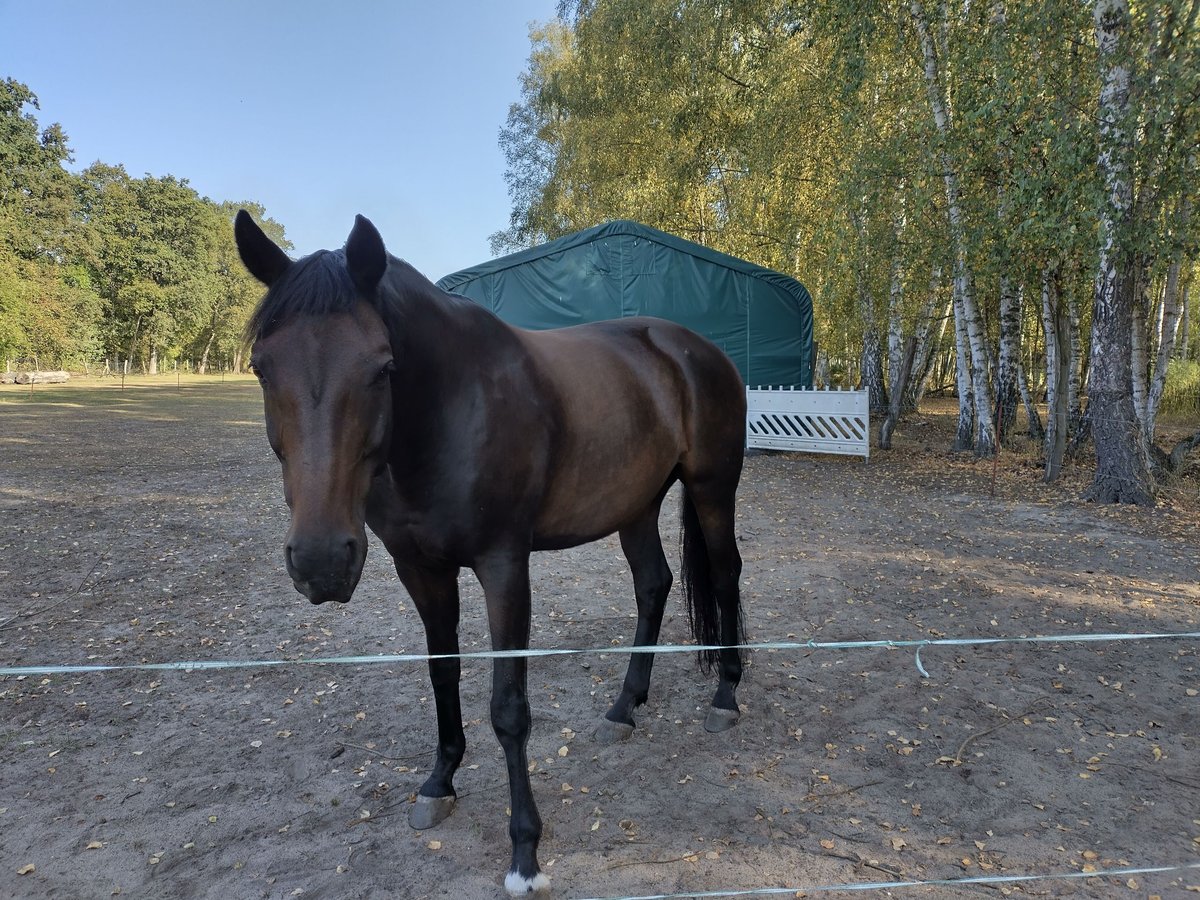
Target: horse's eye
(256, 371)
(385, 373)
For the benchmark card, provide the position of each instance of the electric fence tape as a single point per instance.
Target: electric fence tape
(916, 644)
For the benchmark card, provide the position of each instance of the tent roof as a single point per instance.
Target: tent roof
(627, 227)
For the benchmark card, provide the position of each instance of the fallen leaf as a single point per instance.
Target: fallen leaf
(434, 845)
(827, 843)
(94, 845)
(27, 870)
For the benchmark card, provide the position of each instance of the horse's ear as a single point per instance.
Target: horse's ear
(262, 257)
(366, 257)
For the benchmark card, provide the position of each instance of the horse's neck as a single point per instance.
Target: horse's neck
(439, 338)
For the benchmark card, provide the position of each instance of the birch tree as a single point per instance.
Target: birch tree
(1123, 465)
(977, 356)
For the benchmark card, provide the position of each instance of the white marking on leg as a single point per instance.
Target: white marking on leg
(518, 885)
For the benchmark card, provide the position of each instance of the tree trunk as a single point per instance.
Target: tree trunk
(153, 359)
(1185, 321)
(1168, 326)
(1139, 345)
(927, 344)
(895, 335)
(207, 347)
(899, 385)
(1075, 373)
(1058, 362)
(1036, 432)
(1007, 391)
(133, 343)
(1122, 464)
(965, 306)
(962, 373)
(871, 361)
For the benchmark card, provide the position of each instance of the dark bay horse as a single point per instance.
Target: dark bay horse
(461, 441)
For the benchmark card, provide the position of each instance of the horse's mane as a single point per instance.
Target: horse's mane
(320, 285)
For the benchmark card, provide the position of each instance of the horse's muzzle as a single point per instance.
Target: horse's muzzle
(325, 570)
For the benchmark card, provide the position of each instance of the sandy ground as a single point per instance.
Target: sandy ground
(145, 525)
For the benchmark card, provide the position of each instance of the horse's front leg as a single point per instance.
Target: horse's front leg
(505, 581)
(435, 593)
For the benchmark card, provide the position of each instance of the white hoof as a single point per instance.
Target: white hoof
(518, 885)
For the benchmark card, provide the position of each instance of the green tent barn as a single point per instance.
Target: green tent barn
(761, 318)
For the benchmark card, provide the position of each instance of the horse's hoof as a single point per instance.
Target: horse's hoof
(428, 811)
(719, 720)
(610, 732)
(518, 885)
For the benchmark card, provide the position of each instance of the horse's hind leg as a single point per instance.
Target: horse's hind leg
(435, 594)
(712, 513)
(652, 583)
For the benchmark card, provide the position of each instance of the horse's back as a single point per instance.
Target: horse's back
(638, 399)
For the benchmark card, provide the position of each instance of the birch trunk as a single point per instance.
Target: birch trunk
(1007, 392)
(1056, 328)
(1185, 322)
(1122, 463)
(1167, 329)
(895, 336)
(926, 352)
(1075, 372)
(1139, 348)
(871, 362)
(965, 306)
(1036, 432)
(899, 385)
(962, 374)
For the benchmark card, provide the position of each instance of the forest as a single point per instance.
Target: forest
(989, 200)
(103, 271)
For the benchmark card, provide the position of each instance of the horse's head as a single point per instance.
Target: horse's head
(322, 355)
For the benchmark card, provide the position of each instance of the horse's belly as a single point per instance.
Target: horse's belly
(593, 501)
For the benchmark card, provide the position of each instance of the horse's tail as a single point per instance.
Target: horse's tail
(704, 615)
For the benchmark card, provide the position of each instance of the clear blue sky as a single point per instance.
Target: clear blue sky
(317, 110)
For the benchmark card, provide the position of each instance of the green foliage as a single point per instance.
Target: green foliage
(800, 136)
(100, 265)
(1181, 396)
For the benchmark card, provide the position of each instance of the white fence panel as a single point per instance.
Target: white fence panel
(812, 421)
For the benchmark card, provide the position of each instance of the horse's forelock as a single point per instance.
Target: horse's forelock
(317, 285)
